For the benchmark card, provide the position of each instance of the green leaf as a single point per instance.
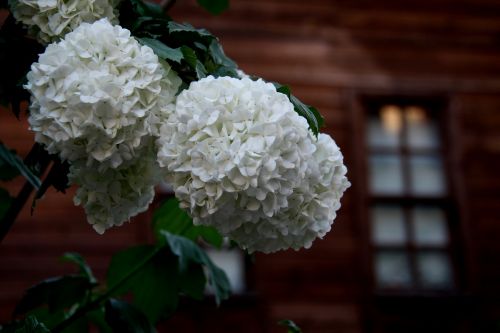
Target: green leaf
(154, 286)
(58, 293)
(290, 325)
(215, 7)
(170, 217)
(96, 317)
(225, 71)
(46, 317)
(219, 56)
(149, 26)
(313, 117)
(192, 282)
(176, 28)
(77, 259)
(163, 51)
(125, 318)
(5, 202)
(188, 252)
(30, 324)
(9, 157)
(201, 71)
(125, 261)
(157, 295)
(146, 8)
(189, 56)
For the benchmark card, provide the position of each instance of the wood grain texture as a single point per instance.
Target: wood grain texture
(330, 52)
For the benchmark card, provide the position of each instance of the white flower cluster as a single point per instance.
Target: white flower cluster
(242, 160)
(50, 20)
(239, 157)
(311, 207)
(98, 94)
(98, 99)
(112, 197)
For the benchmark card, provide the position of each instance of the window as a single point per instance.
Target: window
(408, 198)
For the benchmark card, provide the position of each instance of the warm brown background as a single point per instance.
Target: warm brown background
(331, 53)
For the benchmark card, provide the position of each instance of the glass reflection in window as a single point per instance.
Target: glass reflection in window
(429, 226)
(435, 270)
(388, 225)
(427, 176)
(386, 174)
(393, 270)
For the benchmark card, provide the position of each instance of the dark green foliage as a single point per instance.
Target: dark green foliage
(192, 53)
(155, 275)
(185, 32)
(77, 259)
(192, 281)
(313, 117)
(189, 253)
(219, 56)
(170, 217)
(97, 318)
(125, 318)
(162, 50)
(57, 293)
(147, 8)
(124, 262)
(154, 286)
(29, 324)
(290, 325)
(173, 269)
(215, 7)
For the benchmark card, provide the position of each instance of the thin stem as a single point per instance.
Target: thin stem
(17, 205)
(95, 303)
(14, 209)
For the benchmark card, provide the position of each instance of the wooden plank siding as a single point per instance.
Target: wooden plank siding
(330, 52)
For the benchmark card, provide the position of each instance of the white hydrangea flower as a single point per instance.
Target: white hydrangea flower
(113, 196)
(238, 156)
(311, 207)
(98, 94)
(50, 20)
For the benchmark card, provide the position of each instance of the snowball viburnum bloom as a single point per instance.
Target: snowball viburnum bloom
(98, 95)
(311, 207)
(50, 20)
(113, 196)
(237, 155)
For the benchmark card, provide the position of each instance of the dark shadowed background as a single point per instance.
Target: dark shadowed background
(410, 91)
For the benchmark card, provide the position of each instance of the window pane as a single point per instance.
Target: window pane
(233, 264)
(435, 270)
(429, 225)
(388, 225)
(422, 130)
(393, 270)
(427, 175)
(384, 128)
(386, 175)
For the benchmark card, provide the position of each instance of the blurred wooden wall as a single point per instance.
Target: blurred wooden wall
(330, 52)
